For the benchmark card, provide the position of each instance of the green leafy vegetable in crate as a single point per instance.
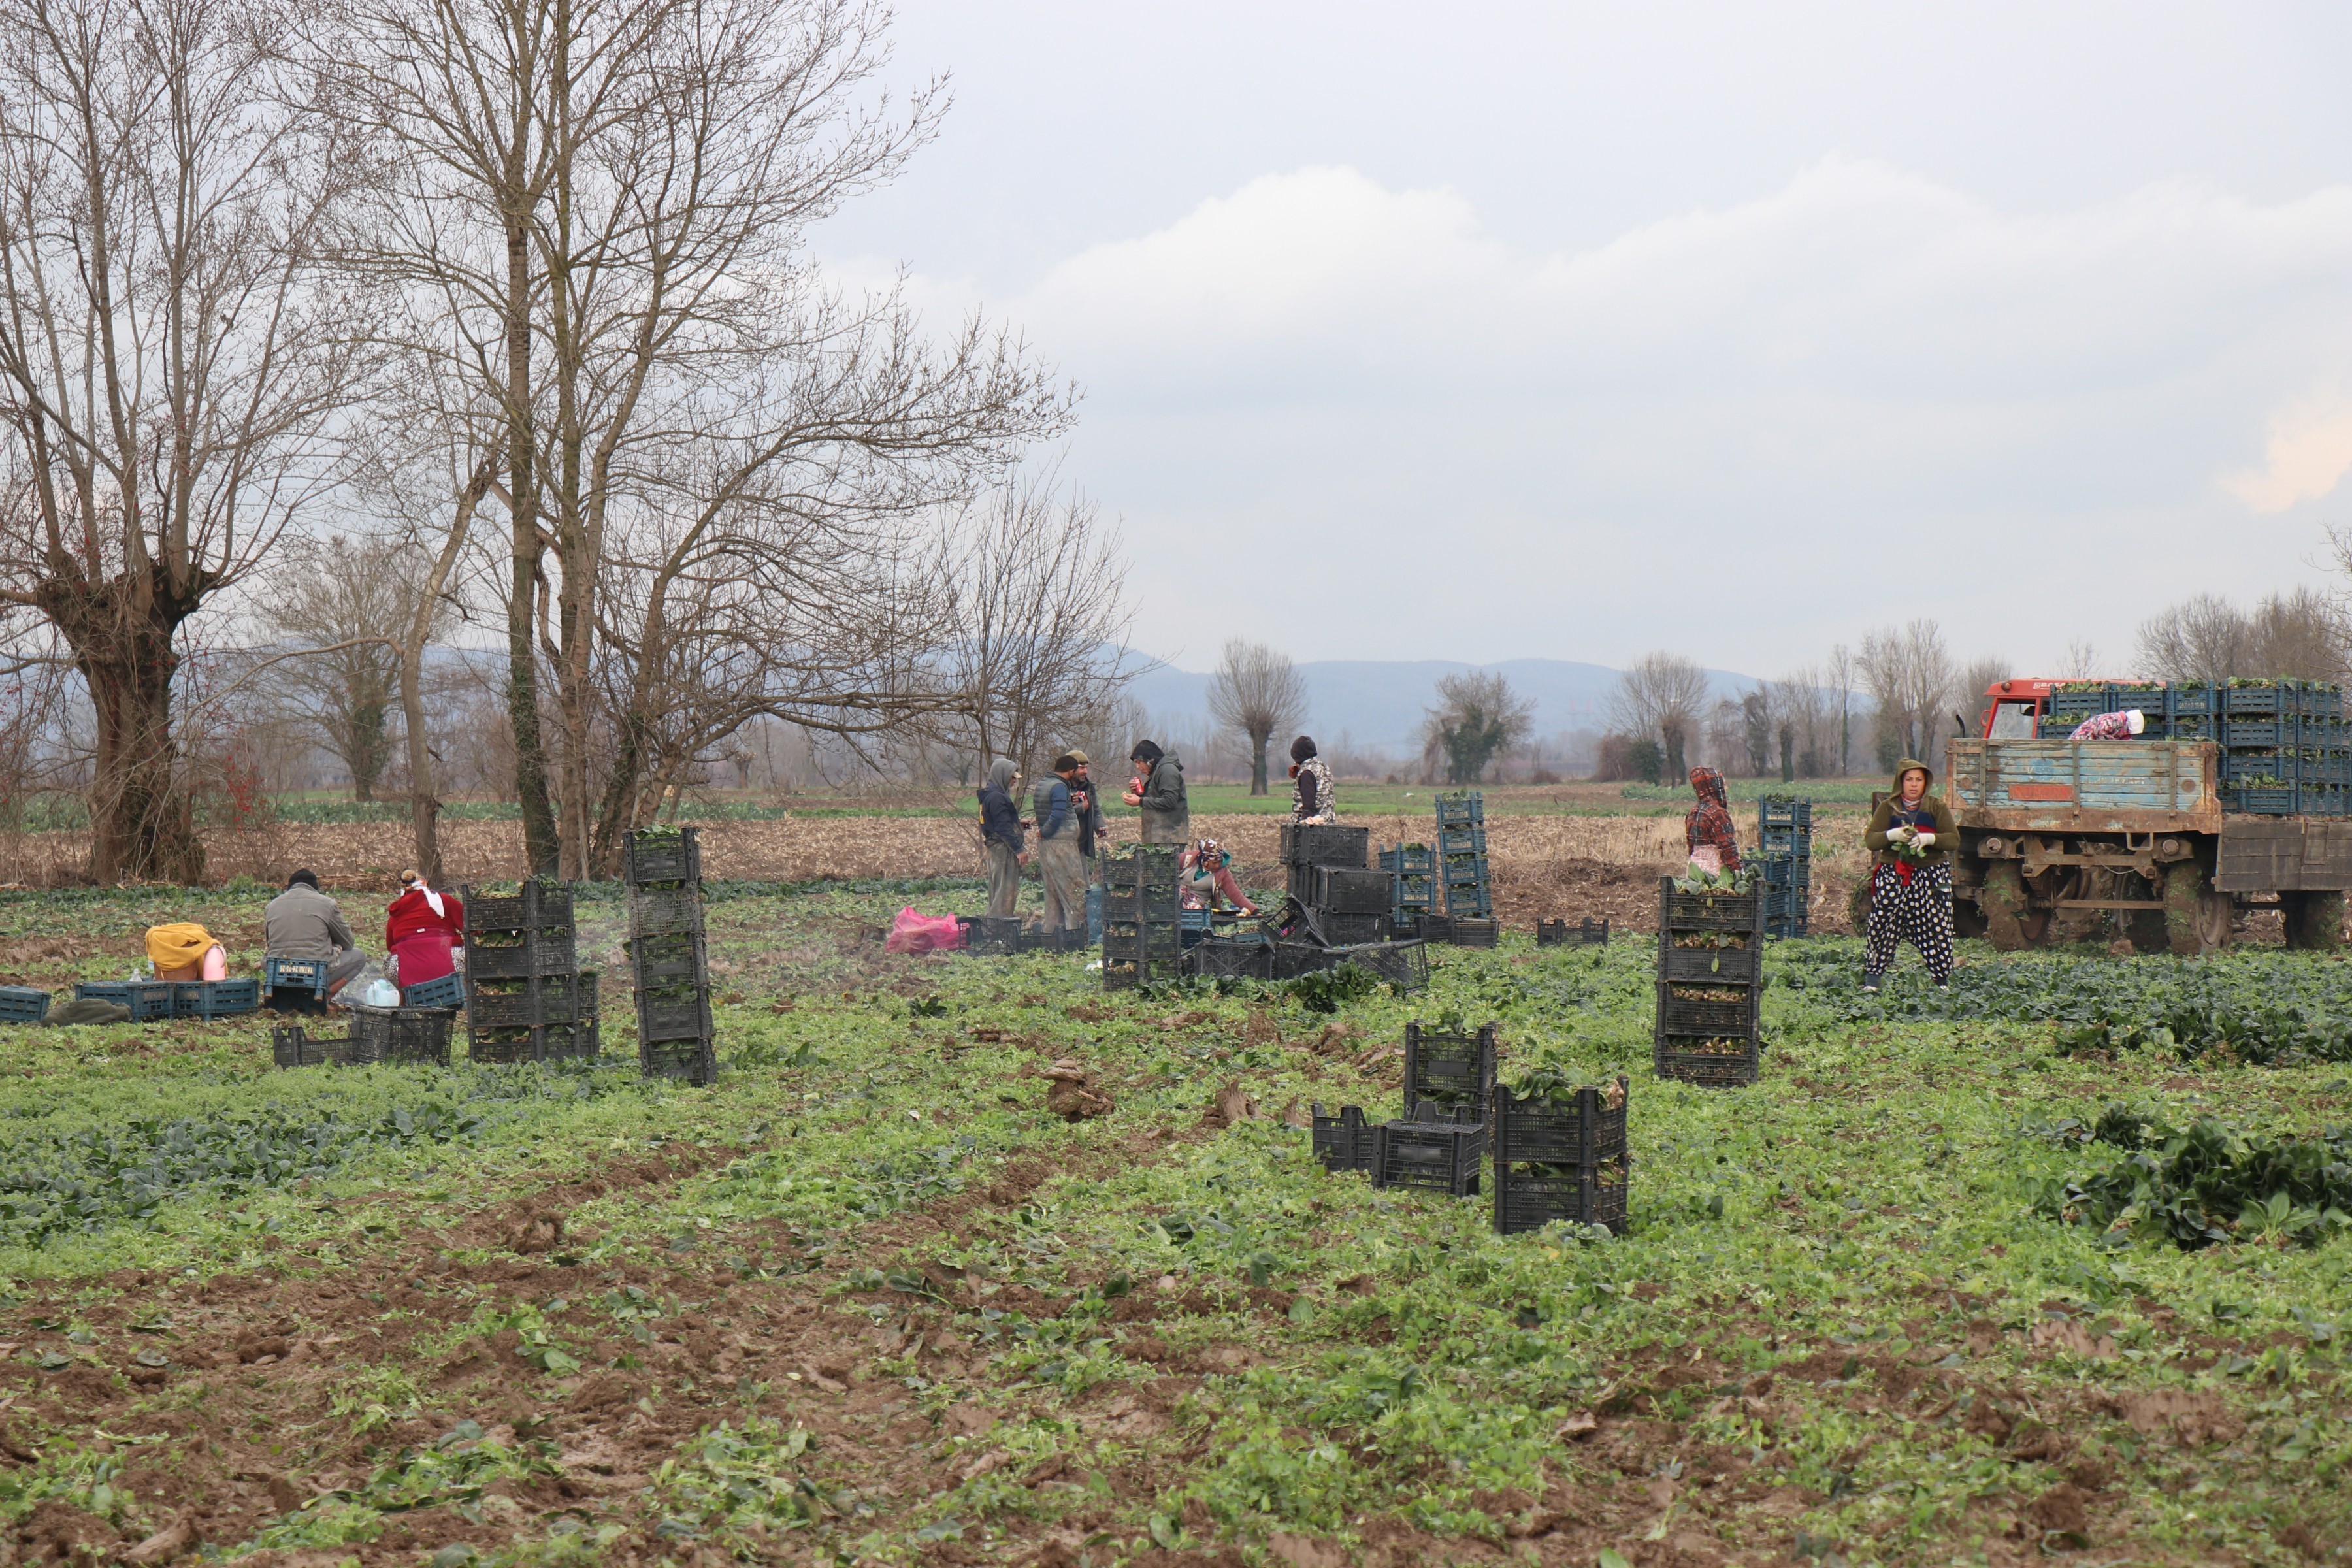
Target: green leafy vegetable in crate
(1700, 880)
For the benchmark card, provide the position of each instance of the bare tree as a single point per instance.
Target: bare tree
(614, 203)
(1910, 674)
(2300, 635)
(2202, 639)
(2081, 662)
(1840, 674)
(1660, 697)
(167, 372)
(1977, 676)
(1257, 692)
(1808, 737)
(1477, 719)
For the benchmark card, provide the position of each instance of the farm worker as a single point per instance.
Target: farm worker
(1911, 838)
(421, 929)
(1158, 793)
(1086, 802)
(1204, 876)
(1059, 865)
(1713, 841)
(1000, 837)
(303, 923)
(1312, 798)
(2120, 726)
(186, 951)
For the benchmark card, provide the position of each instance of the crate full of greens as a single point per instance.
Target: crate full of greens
(1449, 1065)
(662, 855)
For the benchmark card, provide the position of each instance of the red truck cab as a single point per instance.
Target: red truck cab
(2015, 710)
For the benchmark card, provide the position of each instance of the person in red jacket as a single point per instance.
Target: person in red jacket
(421, 929)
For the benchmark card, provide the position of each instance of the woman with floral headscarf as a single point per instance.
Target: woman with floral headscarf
(1714, 843)
(1204, 876)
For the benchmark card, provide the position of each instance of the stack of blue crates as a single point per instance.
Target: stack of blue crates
(1462, 854)
(1784, 862)
(1412, 873)
(2285, 749)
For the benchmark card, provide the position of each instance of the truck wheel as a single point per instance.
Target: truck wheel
(2146, 928)
(1968, 919)
(2196, 918)
(1857, 904)
(2010, 923)
(2315, 921)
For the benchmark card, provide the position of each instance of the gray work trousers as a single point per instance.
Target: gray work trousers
(1064, 871)
(1003, 880)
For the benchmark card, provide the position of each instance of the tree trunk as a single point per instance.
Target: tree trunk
(539, 845)
(141, 825)
(424, 794)
(1257, 763)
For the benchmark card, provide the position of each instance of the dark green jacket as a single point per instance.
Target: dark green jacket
(1931, 804)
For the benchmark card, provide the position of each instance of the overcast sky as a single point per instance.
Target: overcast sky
(1491, 332)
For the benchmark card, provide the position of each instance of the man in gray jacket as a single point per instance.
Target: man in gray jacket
(1158, 793)
(303, 923)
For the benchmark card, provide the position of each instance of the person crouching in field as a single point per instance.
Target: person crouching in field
(1910, 838)
(421, 932)
(1000, 837)
(1060, 865)
(1707, 832)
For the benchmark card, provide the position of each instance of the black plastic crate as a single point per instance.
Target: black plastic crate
(1428, 925)
(1403, 964)
(547, 1042)
(1341, 1141)
(1475, 930)
(1707, 911)
(214, 998)
(1587, 933)
(1149, 865)
(536, 953)
(1422, 1151)
(539, 906)
(399, 1033)
(1229, 958)
(1587, 1132)
(1346, 890)
(145, 998)
(522, 1005)
(1712, 965)
(294, 1047)
(1125, 942)
(673, 1018)
(662, 858)
(665, 911)
(1127, 905)
(992, 933)
(1680, 1057)
(1333, 930)
(693, 1061)
(1528, 1200)
(1680, 1013)
(23, 1004)
(1325, 844)
(679, 959)
(1443, 1068)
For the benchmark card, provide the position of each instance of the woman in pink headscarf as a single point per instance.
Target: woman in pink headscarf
(421, 930)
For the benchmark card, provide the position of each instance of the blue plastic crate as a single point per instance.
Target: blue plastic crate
(2267, 801)
(145, 998)
(1467, 809)
(295, 975)
(23, 1004)
(214, 998)
(445, 991)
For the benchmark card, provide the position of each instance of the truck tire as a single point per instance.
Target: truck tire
(2010, 923)
(2195, 916)
(2315, 921)
(2146, 928)
(1857, 904)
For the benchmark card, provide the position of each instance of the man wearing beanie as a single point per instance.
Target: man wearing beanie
(1059, 866)
(304, 922)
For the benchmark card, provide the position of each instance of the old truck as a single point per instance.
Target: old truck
(2233, 797)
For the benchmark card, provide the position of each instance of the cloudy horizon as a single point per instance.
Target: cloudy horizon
(1734, 337)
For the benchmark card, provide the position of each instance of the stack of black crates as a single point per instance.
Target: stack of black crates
(1461, 869)
(1142, 943)
(1710, 980)
(1784, 862)
(526, 998)
(1562, 1162)
(1552, 1161)
(2285, 748)
(669, 959)
(1343, 902)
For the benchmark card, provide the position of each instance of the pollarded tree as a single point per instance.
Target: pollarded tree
(1477, 719)
(1257, 693)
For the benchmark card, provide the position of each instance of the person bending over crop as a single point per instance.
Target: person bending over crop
(1312, 798)
(1204, 876)
(1911, 838)
(1714, 843)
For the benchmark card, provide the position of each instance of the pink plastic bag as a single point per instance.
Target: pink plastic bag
(914, 931)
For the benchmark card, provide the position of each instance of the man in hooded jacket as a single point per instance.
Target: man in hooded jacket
(1911, 838)
(1000, 833)
(1158, 793)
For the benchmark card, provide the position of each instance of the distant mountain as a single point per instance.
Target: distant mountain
(1380, 703)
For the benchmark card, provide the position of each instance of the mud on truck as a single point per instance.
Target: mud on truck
(2234, 797)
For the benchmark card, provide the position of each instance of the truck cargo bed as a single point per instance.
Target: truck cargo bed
(2084, 786)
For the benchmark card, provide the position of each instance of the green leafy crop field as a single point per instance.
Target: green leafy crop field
(2053, 1266)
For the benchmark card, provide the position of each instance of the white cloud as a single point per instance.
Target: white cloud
(1396, 434)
